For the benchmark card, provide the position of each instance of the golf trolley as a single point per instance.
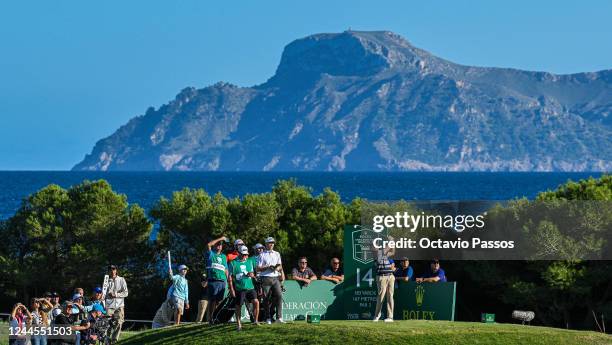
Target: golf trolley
(102, 328)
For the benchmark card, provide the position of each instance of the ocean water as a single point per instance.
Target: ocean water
(145, 188)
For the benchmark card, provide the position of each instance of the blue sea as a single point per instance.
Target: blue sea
(145, 188)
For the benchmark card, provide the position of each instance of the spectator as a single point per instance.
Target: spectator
(258, 249)
(81, 292)
(19, 319)
(57, 308)
(203, 302)
(385, 281)
(303, 273)
(96, 298)
(216, 264)
(435, 274)
(242, 272)
(47, 307)
(115, 304)
(180, 292)
(38, 320)
(88, 335)
(404, 272)
(233, 254)
(65, 319)
(78, 311)
(270, 268)
(333, 273)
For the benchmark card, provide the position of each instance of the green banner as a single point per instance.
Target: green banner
(359, 274)
(320, 297)
(424, 301)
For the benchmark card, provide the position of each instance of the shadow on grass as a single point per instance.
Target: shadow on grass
(180, 335)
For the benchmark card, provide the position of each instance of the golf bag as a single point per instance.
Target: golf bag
(224, 311)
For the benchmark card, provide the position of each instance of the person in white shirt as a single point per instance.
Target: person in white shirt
(270, 268)
(115, 295)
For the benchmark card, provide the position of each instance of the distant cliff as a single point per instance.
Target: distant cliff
(371, 101)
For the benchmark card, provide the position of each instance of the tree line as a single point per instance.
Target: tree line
(61, 238)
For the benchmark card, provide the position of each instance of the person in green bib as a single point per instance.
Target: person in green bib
(216, 266)
(242, 273)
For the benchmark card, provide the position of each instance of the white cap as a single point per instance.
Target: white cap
(270, 240)
(182, 267)
(238, 241)
(243, 250)
(259, 245)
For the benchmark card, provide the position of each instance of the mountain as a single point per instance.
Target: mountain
(372, 101)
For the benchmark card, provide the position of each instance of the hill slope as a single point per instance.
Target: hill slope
(372, 101)
(367, 332)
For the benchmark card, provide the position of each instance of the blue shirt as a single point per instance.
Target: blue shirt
(89, 308)
(181, 288)
(401, 273)
(440, 274)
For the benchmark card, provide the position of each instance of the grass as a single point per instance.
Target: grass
(367, 332)
(359, 332)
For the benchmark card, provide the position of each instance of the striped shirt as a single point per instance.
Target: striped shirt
(383, 265)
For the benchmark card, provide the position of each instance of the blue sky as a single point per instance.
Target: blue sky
(71, 72)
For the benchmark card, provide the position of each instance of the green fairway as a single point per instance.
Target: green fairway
(367, 332)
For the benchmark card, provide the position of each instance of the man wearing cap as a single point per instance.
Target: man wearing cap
(203, 302)
(234, 253)
(96, 300)
(435, 274)
(57, 308)
(88, 335)
(180, 292)
(78, 310)
(404, 272)
(258, 248)
(216, 265)
(242, 272)
(65, 319)
(115, 294)
(270, 268)
(81, 292)
(47, 308)
(385, 281)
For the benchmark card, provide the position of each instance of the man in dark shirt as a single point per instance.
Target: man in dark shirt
(404, 272)
(303, 273)
(436, 273)
(333, 273)
(89, 335)
(203, 302)
(65, 320)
